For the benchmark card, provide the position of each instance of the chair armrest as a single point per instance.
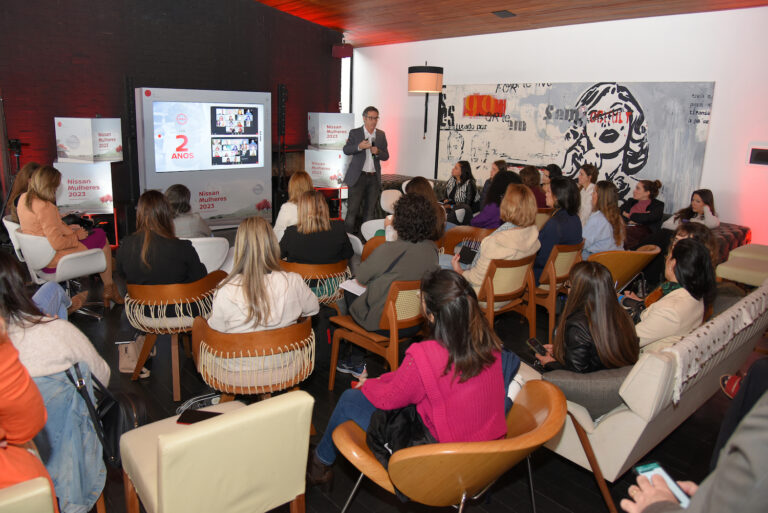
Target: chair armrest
(80, 264)
(582, 416)
(349, 439)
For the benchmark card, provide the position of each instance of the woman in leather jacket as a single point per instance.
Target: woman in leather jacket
(594, 331)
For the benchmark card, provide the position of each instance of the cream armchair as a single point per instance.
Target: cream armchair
(251, 458)
(33, 496)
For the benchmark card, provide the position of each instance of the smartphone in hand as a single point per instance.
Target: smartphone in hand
(649, 469)
(536, 346)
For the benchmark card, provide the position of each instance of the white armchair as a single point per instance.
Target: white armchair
(211, 250)
(251, 458)
(11, 228)
(33, 496)
(38, 253)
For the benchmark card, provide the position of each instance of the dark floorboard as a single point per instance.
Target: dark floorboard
(560, 485)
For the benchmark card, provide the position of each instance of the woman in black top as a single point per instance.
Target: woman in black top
(461, 192)
(594, 332)
(153, 255)
(315, 239)
(642, 213)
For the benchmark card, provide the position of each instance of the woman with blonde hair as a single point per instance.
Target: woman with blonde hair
(604, 230)
(38, 215)
(257, 295)
(515, 239)
(299, 183)
(315, 239)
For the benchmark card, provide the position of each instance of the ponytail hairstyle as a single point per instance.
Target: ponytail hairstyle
(455, 320)
(612, 330)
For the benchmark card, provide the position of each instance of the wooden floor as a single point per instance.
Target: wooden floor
(560, 485)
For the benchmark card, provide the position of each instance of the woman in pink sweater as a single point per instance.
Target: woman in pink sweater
(454, 377)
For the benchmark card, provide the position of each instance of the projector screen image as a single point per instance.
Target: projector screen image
(230, 152)
(233, 121)
(186, 135)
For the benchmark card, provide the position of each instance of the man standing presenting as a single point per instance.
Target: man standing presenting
(368, 147)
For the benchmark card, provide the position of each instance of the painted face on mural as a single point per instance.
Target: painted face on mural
(608, 125)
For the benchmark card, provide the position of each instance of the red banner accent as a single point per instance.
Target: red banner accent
(484, 105)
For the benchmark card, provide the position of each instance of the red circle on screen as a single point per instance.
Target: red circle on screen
(147, 93)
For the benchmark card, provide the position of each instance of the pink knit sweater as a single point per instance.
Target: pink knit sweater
(453, 412)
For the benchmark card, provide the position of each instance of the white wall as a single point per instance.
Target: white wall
(727, 47)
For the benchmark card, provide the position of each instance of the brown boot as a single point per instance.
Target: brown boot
(318, 473)
(111, 294)
(78, 300)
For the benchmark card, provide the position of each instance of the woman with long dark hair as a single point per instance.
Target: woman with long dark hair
(701, 210)
(454, 378)
(594, 332)
(186, 224)
(490, 215)
(564, 227)
(153, 255)
(689, 288)
(38, 215)
(20, 184)
(461, 192)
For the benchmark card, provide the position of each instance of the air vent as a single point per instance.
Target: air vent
(504, 14)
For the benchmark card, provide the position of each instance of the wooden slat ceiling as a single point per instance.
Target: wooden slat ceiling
(380, 22)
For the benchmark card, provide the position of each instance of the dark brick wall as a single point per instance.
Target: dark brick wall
(74, 58)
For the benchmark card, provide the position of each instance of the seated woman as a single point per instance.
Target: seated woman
(47, 348)
(186, 224)
(532, 179)
(642, 213)
(604, 230)
(690, 286)
(407, 258)
(315, 239)
(586, 181)
(454, 377)
(516, 238)
(22, 416)
(564, 227)
(701, 210)
(38, 215)
(422, 187)
(461, 193)
(299, 183)
(153, 255)
(594, 332)
(20, 185)
(258, 295)
(497, 167)
(490, 216)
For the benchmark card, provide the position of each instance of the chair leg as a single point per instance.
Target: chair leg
(100, 507)
(298, 505)
(187, 339)
(530, 482)
(463, 502)
(584, 439)
(149, 343)
(551, 306)
(352, 494)
(175, 366)
(131, 499)
(334, 359)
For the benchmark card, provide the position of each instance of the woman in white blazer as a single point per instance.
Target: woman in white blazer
(690, 286)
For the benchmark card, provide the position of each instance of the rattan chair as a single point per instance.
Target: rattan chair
(401, 310)
(461, 234)
(254, 363)
(508, 286)
(323, 279)
(146, 308)
(450, 474)
(554, 278)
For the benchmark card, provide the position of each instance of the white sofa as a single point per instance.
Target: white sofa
(665, 386)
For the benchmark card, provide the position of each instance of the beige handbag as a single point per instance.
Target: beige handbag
(128, 356)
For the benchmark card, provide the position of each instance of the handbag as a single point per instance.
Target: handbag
(128, 356)
(117, 413)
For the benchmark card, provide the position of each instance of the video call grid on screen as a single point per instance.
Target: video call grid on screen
(232, 151)
(234, 121)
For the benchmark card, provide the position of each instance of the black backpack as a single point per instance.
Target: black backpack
(117, 412)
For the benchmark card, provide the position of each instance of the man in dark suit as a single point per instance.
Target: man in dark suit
(368, 148)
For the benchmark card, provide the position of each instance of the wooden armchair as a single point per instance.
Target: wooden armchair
(255, 363)
(323, 279)
(449, 474)
(542, 216)
(625, 265)
(508, 285)
(371, 245)
(554, 278)
(146, 307)
(402, 310)
(459, 234)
